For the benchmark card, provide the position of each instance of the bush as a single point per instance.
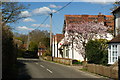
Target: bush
(20, 53)
(9, 56)
(47, 53)
(96, 51)
(76, 62)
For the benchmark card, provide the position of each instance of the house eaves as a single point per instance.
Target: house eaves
(115, 40)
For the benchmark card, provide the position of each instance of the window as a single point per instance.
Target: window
(70, 17)
(74, 21)
(108, 22)
(91, 18)
(113, 53)
(74, 17)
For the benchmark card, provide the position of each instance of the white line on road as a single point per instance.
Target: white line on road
(49, 71)
(42, 66)
(36, 63)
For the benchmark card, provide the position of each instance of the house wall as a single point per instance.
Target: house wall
(59, 46)
(56, 47)
(76, 54)
(71, 53)
(117, 23)
(119, 49)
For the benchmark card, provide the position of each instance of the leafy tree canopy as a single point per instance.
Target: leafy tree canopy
(11, 11)
(96, 51)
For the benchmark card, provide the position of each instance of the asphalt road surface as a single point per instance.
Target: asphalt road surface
(39, 69)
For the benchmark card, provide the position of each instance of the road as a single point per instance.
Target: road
(38, 69)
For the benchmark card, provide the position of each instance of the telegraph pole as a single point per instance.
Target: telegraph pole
(50, 31)
(28, 41)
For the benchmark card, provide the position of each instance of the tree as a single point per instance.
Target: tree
(9, 56)
(39, 36)
(115, 5)
(96, 51)
(33, 46)
(36, 36)
(82, 32)
(11, 11)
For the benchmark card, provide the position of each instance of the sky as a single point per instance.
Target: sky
(38, 11)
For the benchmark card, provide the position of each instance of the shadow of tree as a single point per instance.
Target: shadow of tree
(22, 72)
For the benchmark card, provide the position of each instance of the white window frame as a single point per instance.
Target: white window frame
(113, 53)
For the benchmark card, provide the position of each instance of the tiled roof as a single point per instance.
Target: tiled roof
(115, 40)
(59, 37)
(86, 15)
(42, 46)
(109, 15)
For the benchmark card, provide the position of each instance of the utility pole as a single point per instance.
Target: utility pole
(51, 32)
(28, 41)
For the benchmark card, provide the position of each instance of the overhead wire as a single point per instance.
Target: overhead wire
(55, 12)
(43, 22)
(56, 27)
(64, 6)
(52, 13)
(61, 9)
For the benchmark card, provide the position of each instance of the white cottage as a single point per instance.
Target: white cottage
(55, 45)
(114, 50)
(68, 50)
(114, 44)
(116, 14)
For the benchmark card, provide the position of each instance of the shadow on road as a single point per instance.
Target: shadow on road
(22, 71)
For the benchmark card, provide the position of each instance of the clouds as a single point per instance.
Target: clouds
(46, 10)
(54, 6)
(28, 20)
(40, 25)
(42, 10)
(25, 14)
(99, 1)
(23, 28)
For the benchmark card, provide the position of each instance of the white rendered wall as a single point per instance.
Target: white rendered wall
(119, 49)
(117, 22)
(55, 47)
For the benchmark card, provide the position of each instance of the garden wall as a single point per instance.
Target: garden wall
(59, 60)
(108, 71)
